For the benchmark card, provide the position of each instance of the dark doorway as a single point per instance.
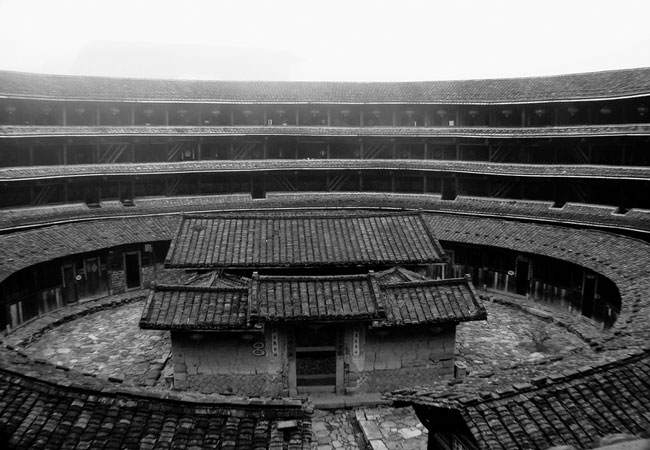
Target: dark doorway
(522, 277)
(132, 270)
(258, 188)
(316, 359)
(69, 284)
(93, 277)
(588, 293)
(449, 189)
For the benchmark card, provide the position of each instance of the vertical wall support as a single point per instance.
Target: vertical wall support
(291, 363)
(340, 359)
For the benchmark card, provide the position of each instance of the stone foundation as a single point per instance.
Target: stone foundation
(390, 380)
(240, 385)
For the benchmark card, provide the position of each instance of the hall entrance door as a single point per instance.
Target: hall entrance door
(522, 276)
(132, 270)
(316, 363)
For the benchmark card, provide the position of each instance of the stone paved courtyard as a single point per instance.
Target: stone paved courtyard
(109, 343)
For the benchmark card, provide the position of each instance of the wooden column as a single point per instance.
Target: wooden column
(64, 115)
(291, 363)
(329, 117)
(167, 115)
(132, 115)
(340, 359)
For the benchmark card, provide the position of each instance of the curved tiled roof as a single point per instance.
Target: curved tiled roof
(572, 213)
(26, 248)
(72, 411)
(575, 409)
(278, 165)
(9, 131)
(583, 86)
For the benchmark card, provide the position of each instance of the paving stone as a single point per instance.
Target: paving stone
(408, 433)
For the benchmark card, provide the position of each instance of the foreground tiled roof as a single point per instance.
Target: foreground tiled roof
(36, 131)
(296, 298)
(270, 166)
(38, 414)
(596, 85)
(573, 409)
(297, 239)
(430, 302)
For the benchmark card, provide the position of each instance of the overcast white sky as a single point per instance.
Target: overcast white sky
(355, 40)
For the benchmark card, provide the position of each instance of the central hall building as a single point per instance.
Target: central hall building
(289, 303)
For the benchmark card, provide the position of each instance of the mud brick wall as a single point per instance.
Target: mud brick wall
(395, 358)
(224, 363)
(170, 276)
(116, 282)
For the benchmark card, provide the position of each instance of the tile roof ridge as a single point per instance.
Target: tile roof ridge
(175, 235)
(425, 282)
(157, 287)
(313, 277)
(252, 312)
(302, 213)
(377, 295)
(432, 235)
